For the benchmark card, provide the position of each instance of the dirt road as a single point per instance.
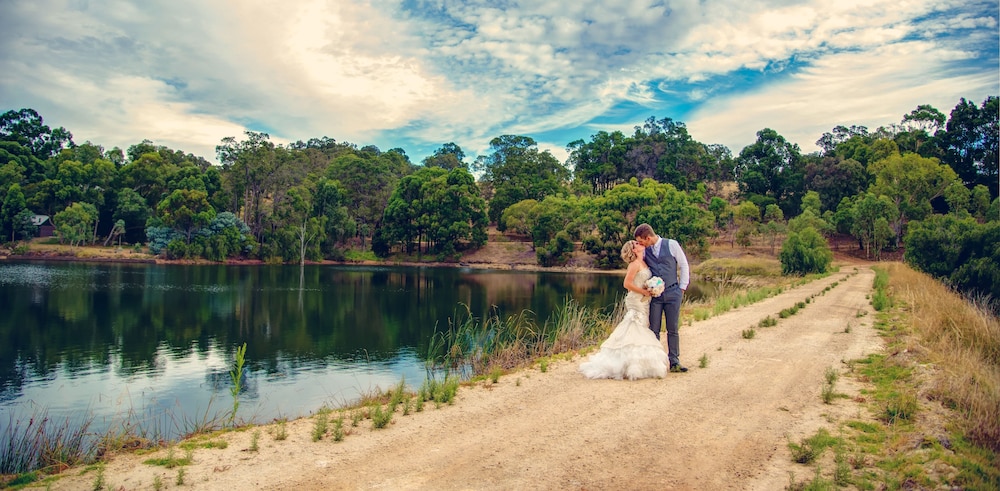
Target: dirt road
(724, 426)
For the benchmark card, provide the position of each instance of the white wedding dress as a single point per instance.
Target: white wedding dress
(632, 350)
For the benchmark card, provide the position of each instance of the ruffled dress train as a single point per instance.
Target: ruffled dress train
(632, 350)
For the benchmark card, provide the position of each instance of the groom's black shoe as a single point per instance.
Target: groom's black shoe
(678, 368)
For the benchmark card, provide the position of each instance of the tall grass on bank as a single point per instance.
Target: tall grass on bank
(963, 340)
(496, 342)
(43, 444)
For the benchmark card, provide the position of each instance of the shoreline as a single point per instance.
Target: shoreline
(257, 262)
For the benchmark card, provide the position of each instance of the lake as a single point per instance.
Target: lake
(151, 346)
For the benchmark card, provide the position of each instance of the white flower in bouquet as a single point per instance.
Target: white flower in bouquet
(655, 285)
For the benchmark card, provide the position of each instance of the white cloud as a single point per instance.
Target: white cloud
(372, 72)
(872, 88)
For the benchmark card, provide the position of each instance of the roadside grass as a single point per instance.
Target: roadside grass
(742, 285)
(933, 395)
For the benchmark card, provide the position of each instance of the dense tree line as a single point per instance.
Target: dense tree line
(929, 182)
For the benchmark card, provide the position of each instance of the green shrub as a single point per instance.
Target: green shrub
(805, 252)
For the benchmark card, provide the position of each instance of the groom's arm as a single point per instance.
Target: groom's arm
(683, 271)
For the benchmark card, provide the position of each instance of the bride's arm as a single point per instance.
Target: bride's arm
(633, 268)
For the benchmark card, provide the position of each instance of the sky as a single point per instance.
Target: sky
(416, 74)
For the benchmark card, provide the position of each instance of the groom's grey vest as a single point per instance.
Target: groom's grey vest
(664, 265)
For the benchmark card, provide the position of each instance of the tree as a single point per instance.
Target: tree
(516, 170)
(225, 236)
(330, 202)
(958, 250)
(250, 167)
(774, 225)
(297, 213)
(829, 141)
(601, 161)
(132, 209)
(449, 156)
(520, 217)
(747, 218)
(185, 211)
(958, 196)
(970, 142)
(805, 252)
(74, 224)
(925, 118)
(13, 204)
(24, 226)
(26, 128)
(870, 218)
(771, 167)
(554, 216)
(834, 178)
(911, 182)
(116, 231)
(368, 180)
(979, 202)
(437, 206)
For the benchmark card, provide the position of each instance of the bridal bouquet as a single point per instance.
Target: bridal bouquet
(655, 285)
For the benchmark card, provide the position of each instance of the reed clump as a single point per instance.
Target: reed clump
(41, 443)
(482, 346)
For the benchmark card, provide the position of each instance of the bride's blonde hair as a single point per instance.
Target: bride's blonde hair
(628, 252)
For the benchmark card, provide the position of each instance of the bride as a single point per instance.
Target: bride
(632, 350)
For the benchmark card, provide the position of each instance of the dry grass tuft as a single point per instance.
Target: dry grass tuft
(963, 341)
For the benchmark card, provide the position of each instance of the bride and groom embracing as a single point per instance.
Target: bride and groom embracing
(633, 350)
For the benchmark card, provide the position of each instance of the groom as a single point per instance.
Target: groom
(666, 259)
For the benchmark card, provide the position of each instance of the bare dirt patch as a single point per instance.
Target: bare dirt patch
(724, 426)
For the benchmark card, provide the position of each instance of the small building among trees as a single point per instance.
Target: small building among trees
(44, 225)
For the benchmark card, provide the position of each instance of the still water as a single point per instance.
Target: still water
(151, 346)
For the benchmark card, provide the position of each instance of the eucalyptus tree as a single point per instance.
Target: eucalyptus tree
(958, 250)
(772, 168)
(971, 142)
(27, 128)
(672, 213)
(368, 178)
(330, 202)
(148, 175)
(871, 215)
(460, 212)
(449, 156)
(132, 209)
(248, 168)
(615, 216)
(520, 217)
(74, 224)
(516, 170)
(298, 229)
(773, 226)
(13, 204)
(834, 178)
(553, 231)
(442, 208)
(747, 218)
(831, 140)
(601, 162)
(185, 211)
(911, 182)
